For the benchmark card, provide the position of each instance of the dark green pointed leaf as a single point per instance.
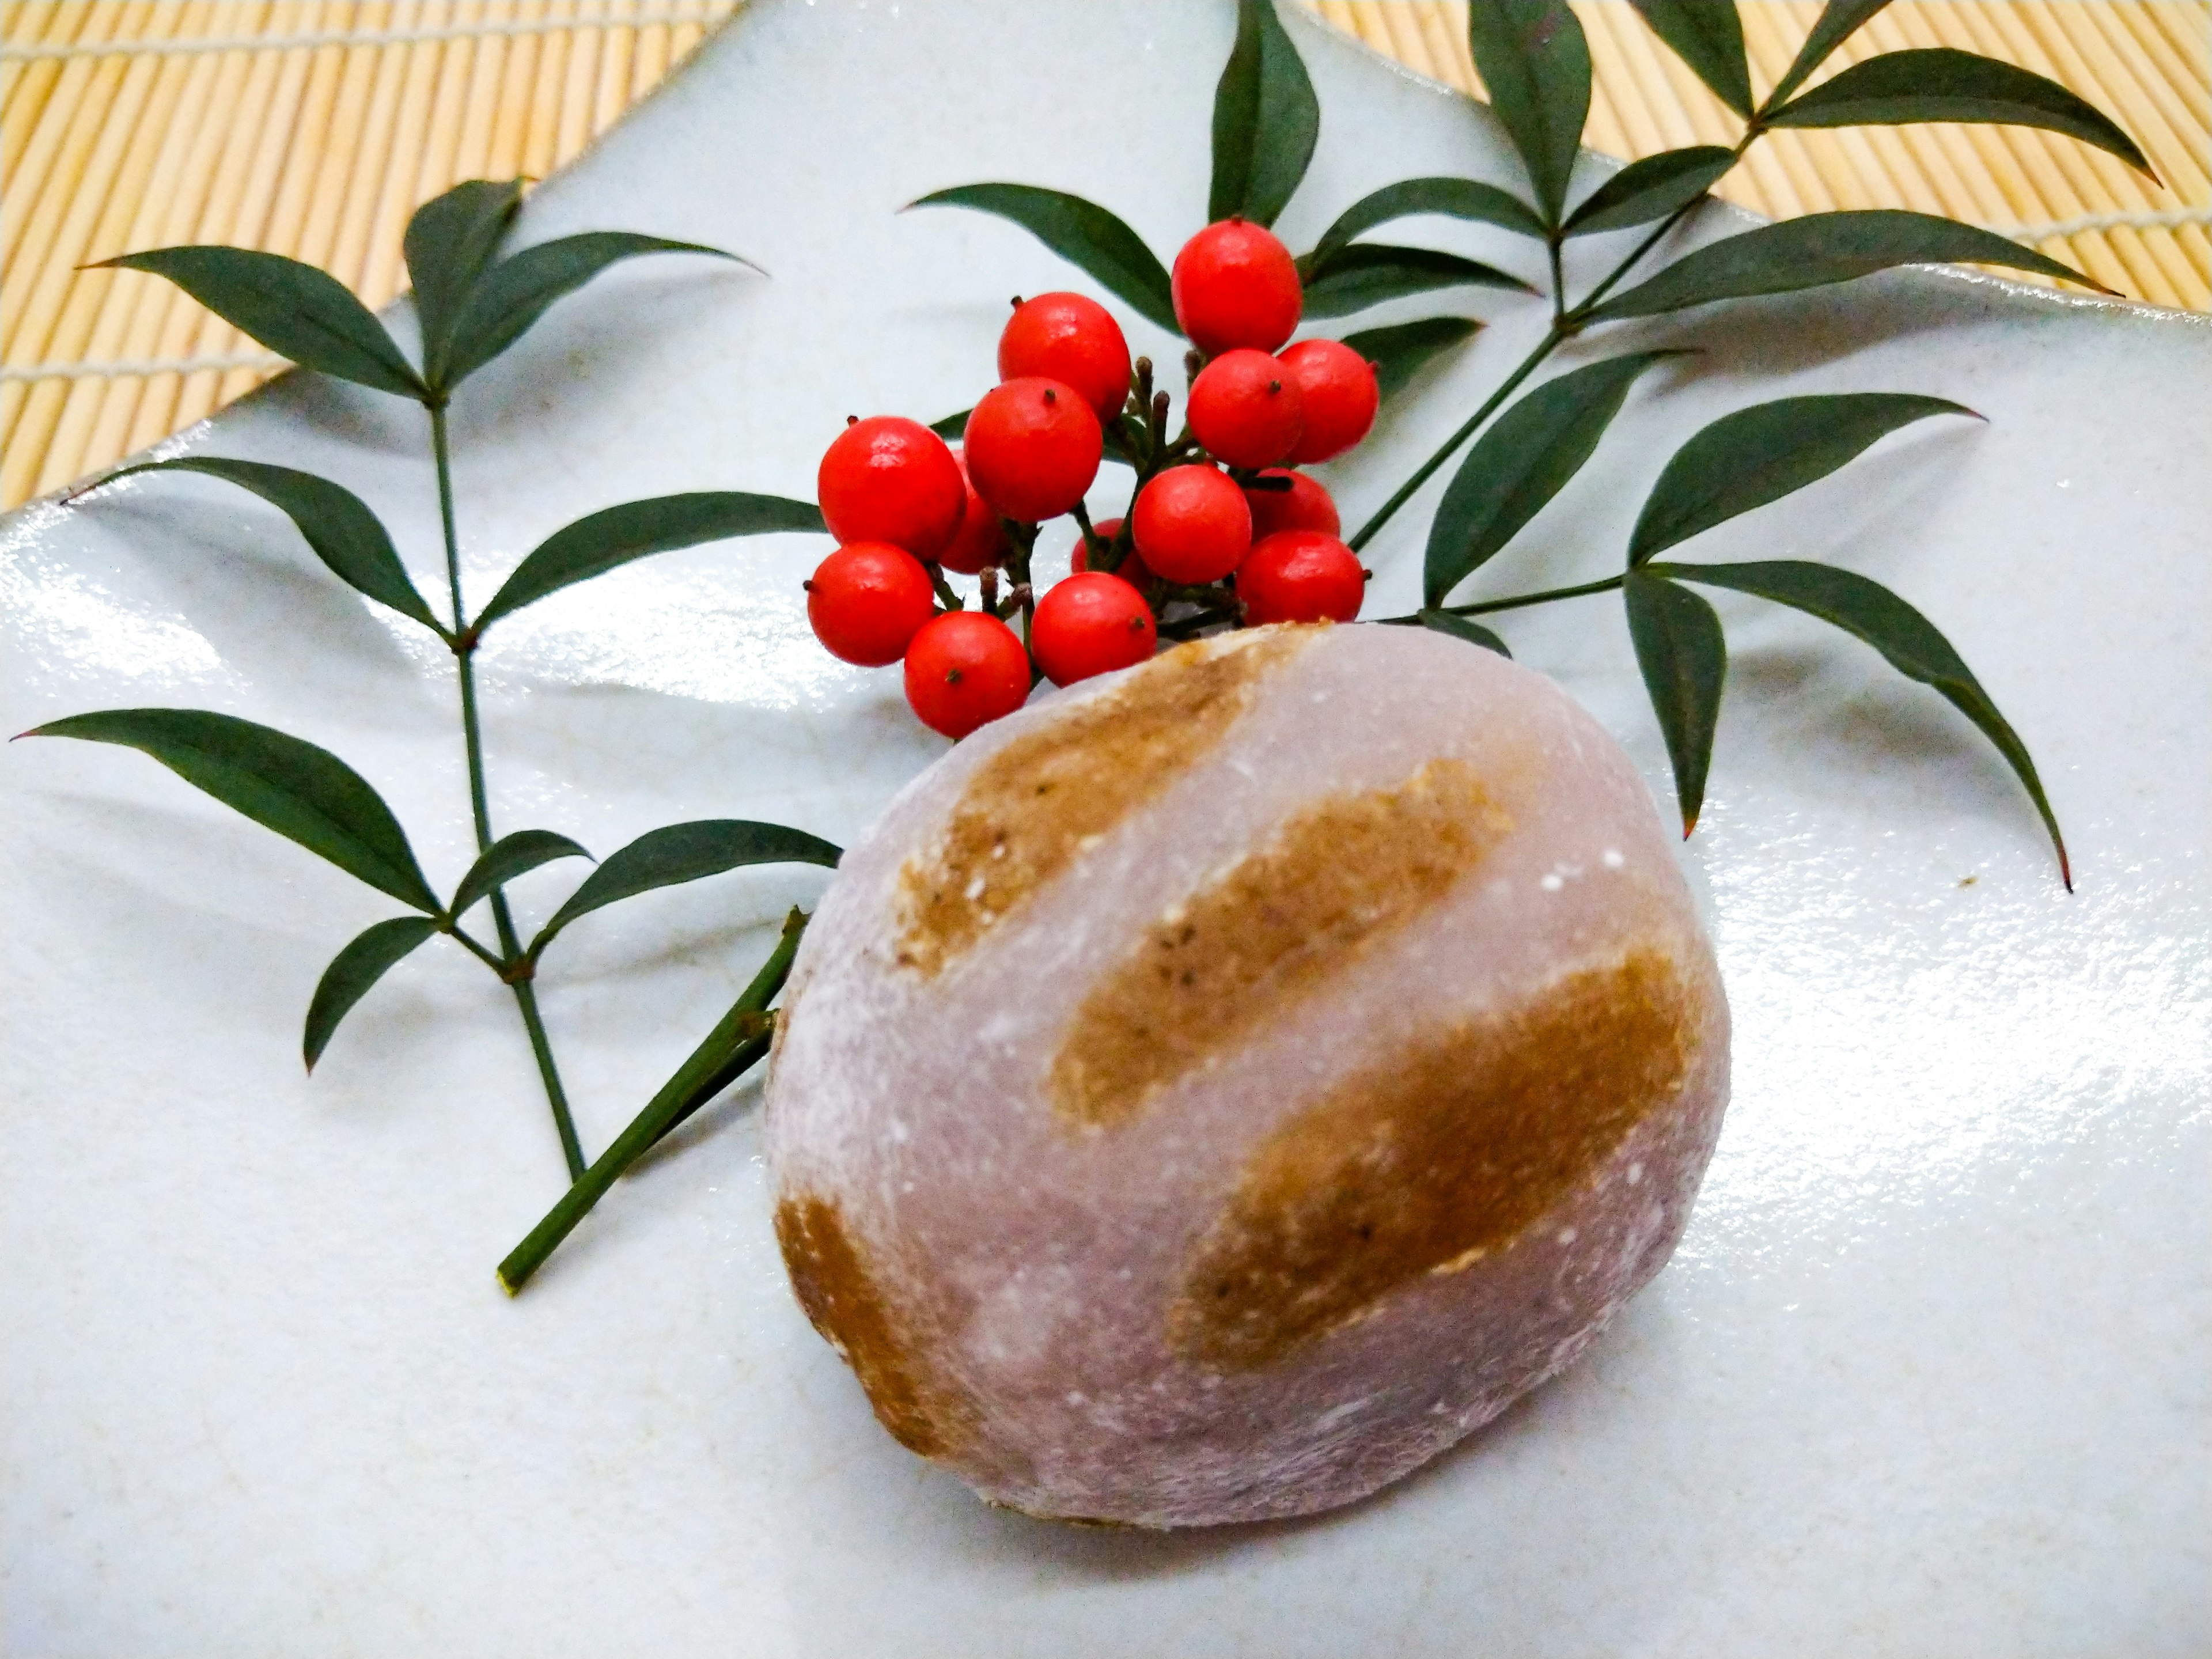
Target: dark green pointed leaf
(1762, 454)
(336, 523)
(1401, 350)
(1524, 459)
(1822, 248)
(510, 297)
(450, 242)
(615, 535)
(1650, 189)
(1463, 627)
(1455, 198)
(352, 972)
(1369, 273)
(1909, 642)
(952, 427)
(1839, 21)
(1707, 35)
(1940, 83)
(508, 857)
(1083, 234)
(1680, 648)
(293, 309)
(1535, 64)
(1266, 120)
(304, 793)
(686, 851)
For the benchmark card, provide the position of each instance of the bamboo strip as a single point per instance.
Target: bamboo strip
(117, 304)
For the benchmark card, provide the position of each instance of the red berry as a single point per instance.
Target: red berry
(1301, 576)
(886, 479)
(1235, 285)
(1340, 397)
(1091, 624)
(965, 670)
(1132, 570)
(1304, 506)
(867, 600)
(1071, 339)
(1192, 523)
(980, 540)
(1033, 448)
(1245, 409)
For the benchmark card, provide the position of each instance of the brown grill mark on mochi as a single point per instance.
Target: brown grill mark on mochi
(1432, 1159)
(841, 1296)
(1341, 875)
(1035, 806)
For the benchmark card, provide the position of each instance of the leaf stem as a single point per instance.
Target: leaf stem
(1551, 342)
(510, 943)
(1512, 602)
(730, 1034)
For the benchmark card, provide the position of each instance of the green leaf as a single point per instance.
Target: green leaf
(1083, 234)
(350, 975)
(510, 297)
(1463, 628)
(1940, 83)
(1650, 189)
(686, 851)
(1266, 120)
(1535, 65)
(1401, 350)
(295, 310)
(508, 857)
(450, 241)
(1707, 35)
(304, 793)
(952, 427)
(614, 536)
(336, 523)
(1818, 249)
(1909, 642)
(1455, 198)
(1369, 273)
(1684, 657)
(1837, 21)
(1524, 459)
(1762, 454)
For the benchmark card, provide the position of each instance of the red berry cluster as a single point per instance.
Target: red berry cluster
(1223, 530)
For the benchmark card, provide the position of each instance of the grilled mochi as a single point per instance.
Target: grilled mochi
(1210, 1092)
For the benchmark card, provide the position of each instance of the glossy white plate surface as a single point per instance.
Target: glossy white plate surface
(1928, 1376)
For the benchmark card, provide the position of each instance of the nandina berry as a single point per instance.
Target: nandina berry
(1301, 576)
(965, 669)
(867, 600)
(1192, 524)
(982, 539)
(1033, 447)
(1072, 339)
(1246, 410)
(1340, 393)
(1091, 624)
(888, 479)
(1132, 570)
(1304, 506)
(1235, 285)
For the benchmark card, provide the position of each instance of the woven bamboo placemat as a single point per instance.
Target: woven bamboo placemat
(313, 127)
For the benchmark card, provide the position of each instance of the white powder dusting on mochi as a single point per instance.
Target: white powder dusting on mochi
(1208, 1093)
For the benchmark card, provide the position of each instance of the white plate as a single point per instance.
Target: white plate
(1928, 1377)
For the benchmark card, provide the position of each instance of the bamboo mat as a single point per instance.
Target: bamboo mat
(313, 127)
